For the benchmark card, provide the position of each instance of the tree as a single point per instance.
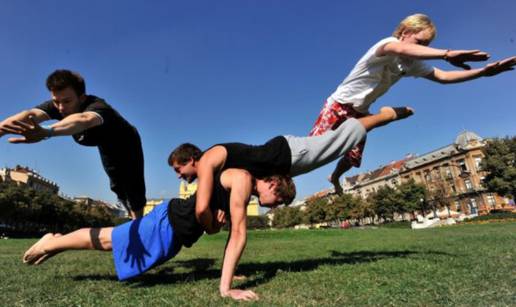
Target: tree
(361, 209)
(413, 197)
(499, 163)
(316, 211)
(286, 217)
(385, 202)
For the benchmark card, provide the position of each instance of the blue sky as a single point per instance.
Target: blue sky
(216, 71)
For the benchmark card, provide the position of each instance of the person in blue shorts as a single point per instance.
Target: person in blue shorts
(146, 242)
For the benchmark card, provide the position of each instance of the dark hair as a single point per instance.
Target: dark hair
(285, 187)
(183, 153)
(63, 78)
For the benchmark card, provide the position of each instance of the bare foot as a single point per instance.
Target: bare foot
(396, 113)
(47, 255)
(36, 251)
(336, 185)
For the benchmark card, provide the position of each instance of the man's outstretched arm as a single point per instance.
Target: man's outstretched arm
(210, 162)
(38, 115)
(32, 132)
(240, 182)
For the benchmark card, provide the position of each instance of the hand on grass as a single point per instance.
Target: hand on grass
(241, 295)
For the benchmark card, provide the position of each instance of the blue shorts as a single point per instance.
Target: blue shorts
(144, 243)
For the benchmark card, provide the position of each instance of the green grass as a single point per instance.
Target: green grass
(466, 265)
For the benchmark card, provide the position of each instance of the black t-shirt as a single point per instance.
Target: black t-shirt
(181, 213)
(271, 158)
(118, 141)
(114, 131)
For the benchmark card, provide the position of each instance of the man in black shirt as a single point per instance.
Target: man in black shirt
(91, 122)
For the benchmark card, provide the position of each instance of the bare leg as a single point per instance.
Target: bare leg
(85, 238)
(386, 115)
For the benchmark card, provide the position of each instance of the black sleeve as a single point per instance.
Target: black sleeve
(105, 111)
(49, 108)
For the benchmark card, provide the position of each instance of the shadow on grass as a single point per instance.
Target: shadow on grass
(202, 268)
(267, 271)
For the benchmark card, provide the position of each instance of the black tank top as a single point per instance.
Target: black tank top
(271, 158)
(181, 213)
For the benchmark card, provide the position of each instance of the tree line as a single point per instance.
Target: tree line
(25, 211)
(383, 204)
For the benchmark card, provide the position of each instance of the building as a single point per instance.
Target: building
(188, 189)
(151, 203)
(115, 210)
(451, 174)
(31, 178)
(366, 183)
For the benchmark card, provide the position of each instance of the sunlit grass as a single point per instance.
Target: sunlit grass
(459, 265)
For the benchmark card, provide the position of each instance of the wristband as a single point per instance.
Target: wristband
(50, 132)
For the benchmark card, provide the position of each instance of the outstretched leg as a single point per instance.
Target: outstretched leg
(384, 117)
(52, 244)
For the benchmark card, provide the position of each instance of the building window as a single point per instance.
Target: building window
(482, 179)
(447, 172)
(457, 206)
(462, 165)
(428, 176)
(477, 159)
(473, 205)
(469, 185)
(491, 200)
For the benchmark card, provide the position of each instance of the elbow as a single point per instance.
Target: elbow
(200, 211)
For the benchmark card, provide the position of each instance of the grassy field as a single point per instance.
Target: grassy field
(459, 265)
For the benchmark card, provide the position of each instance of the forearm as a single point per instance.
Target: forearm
(72, 124)
(456, 76)
(202, 203)
(232, 255)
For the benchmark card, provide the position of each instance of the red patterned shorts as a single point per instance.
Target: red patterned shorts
(332, 115)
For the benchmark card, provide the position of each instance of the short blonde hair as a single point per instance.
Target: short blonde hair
(415, 23)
